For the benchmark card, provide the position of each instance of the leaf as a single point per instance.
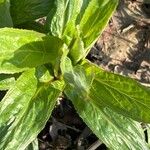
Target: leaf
(5, 18)
(115, 130)
(62, 16)
(79, 23)
(33, 145)
(92, 23)
(29, 10)
(44, 75)
(123, 95)
(25, 110)
(6, 81)
(33, 25)
(24, 49)
(13, 104)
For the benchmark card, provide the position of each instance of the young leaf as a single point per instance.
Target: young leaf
(105, 89)
(29, 10)
(94, 18)
(25, 110)
(79, 23)
(62, 17)
(24, 49)
(5, 18)
(6, 81)
(116, 131)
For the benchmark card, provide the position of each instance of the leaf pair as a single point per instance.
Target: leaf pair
(31, 98)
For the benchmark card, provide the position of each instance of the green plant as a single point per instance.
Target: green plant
(36, 68)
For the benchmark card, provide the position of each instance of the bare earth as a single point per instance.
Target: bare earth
(124, 46)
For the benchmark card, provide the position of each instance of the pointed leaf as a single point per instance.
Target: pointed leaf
(5, 18)
(25, 110)
(24, 49)
(105, 89)
(116, 131)
(79, 23)
(62, 17)
(29, 10)
(121, 94)
(14, 103)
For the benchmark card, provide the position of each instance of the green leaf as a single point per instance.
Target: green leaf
(79, 23)
(116, 131)
(94, 18)
(25, 110)
(105, 89)
(33, 25)
(24, 49)
(33, 145)
(63, 16)
(6, 81)
(122, 94)
(44, 75)
(5, 18)
(14, 104)
(29, 10)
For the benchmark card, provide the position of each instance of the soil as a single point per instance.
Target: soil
(124, 46)
(66, 131)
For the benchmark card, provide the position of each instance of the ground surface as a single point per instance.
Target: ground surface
(123, 48)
